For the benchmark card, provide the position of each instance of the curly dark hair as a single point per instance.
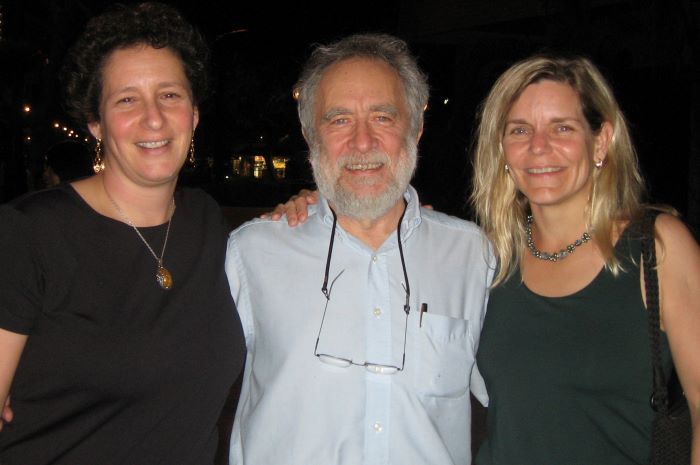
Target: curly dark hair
(150, 23)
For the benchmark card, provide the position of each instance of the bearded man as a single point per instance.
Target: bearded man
(363, 322)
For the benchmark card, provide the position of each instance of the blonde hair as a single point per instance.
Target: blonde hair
(618, 187)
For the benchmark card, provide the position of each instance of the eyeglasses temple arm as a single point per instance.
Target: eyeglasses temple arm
(324, 288)
(407, 286)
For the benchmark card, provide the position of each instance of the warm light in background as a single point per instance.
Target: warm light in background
(279, 167)
(259, 166)
(255, 166)
(69, 132)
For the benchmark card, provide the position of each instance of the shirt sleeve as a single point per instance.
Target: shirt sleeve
(20, 272)
(477, 384)
(236, 279)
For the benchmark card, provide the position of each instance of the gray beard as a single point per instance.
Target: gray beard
(347, 203)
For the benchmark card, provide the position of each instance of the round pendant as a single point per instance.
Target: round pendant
(164, 278)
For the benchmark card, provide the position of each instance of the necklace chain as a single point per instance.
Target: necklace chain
(163, 276)
(552, 257)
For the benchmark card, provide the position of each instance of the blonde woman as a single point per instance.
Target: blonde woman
(565, 348)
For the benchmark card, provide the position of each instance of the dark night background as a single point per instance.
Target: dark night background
(648, 49)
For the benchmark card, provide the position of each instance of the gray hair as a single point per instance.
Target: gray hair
(383, 47)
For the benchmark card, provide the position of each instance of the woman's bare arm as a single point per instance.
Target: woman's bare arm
(678, 257)
(11, 346)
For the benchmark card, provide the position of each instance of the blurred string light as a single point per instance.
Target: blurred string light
(68, 132)
(26, 108)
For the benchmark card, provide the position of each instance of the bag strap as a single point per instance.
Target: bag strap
(659, 396)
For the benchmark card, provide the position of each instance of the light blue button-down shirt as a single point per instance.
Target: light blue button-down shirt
(296, 410)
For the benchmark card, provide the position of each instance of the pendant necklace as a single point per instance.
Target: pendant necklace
(163, 276)
(555, 256)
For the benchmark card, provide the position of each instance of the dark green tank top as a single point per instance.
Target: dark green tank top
(569, 378)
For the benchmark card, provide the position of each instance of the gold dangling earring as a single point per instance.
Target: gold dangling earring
(191, 155)
(98, 165)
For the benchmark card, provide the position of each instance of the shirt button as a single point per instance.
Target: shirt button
(374, 258)
(377, 312)
(377, 427)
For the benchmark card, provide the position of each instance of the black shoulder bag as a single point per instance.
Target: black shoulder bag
(671, 433)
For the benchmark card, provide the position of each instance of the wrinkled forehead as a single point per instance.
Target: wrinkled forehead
(360, 82)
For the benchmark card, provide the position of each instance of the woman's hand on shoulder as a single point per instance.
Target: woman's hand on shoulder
(296, 208)
(678, 259)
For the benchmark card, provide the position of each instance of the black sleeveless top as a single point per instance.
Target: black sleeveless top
(569, 378)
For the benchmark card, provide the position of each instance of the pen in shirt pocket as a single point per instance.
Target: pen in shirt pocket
(423, 309)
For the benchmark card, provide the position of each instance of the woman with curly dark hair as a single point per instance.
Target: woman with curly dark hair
(119, 340)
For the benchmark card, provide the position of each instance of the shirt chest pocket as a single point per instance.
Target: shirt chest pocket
(443, 353)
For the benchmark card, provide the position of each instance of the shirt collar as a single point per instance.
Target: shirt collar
(411, 219)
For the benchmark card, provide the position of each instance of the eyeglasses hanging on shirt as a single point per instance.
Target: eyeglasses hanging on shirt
(379, 368)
